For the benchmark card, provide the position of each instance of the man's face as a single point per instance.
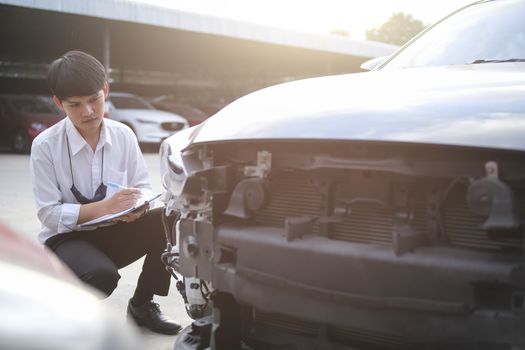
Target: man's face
(86, 112)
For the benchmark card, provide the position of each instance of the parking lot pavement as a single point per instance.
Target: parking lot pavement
(17, 210)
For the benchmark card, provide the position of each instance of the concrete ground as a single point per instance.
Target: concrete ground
(17, 210)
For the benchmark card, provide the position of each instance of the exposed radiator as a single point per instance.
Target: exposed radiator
(292, 195)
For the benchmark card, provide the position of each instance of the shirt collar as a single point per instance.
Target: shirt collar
(77, 142)
(105, 135)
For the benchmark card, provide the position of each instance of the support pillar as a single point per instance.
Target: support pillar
(107, 53)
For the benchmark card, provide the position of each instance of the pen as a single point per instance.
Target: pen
(114, 185)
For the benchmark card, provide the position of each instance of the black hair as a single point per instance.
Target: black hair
(76, 73)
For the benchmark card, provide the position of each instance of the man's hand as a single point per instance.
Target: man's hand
(122, 200)
(134, 215)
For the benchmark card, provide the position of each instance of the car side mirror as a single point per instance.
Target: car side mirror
(373, 63)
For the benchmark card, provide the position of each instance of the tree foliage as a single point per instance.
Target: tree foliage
(397, 30)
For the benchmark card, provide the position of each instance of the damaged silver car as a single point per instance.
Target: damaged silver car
(378, 210)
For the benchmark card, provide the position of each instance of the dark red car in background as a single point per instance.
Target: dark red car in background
(23, 117)
(192, 114)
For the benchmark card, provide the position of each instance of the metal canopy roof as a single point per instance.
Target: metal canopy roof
(170, 18)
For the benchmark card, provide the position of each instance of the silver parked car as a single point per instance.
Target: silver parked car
(149, 124)
(378, 210)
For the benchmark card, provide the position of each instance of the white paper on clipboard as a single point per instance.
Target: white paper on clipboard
(106, 218)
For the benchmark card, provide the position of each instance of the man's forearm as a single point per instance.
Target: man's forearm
(92, 211)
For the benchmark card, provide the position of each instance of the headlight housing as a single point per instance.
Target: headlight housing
(172, 169)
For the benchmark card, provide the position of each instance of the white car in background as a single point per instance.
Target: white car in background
(149, 124)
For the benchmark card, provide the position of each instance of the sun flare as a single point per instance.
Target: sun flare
(315, 16)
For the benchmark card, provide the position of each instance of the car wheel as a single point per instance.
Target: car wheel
(198, 311)
(20, 142)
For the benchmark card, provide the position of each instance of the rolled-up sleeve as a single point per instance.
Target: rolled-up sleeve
(52, 212)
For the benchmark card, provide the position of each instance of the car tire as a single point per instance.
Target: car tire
(198, 311)
(20, 142)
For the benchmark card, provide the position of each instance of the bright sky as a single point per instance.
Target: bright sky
(318, 16)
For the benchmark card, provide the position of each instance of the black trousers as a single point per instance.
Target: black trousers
(96, 256)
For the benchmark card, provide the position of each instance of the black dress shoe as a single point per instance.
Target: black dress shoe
(149, 316)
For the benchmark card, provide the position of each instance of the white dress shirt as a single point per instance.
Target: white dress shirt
(57, 208)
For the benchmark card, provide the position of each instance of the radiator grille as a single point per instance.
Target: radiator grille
(368, 223)
(292, 195)
(344, 336)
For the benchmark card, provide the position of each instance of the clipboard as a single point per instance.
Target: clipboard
(141, 202)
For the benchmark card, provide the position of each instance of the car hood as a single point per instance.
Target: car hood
(466, 105)
(145, 114)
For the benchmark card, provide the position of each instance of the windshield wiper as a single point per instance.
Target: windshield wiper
(499, 61)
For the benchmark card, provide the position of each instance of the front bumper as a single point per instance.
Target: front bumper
(442, 292)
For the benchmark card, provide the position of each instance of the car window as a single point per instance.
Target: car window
(32, 105)
(49, 102)
(129, 102)
(189, 112)
(493, 30)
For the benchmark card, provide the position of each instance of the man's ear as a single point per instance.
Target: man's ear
(58, 102)
(106, 89)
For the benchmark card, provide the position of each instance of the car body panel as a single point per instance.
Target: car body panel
(472, 106)
(43, 305)
(15, 249)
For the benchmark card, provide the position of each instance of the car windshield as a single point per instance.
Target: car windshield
(129, 102)
(49, 102)
(33, 104)
(189, 112)
(484, 32)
